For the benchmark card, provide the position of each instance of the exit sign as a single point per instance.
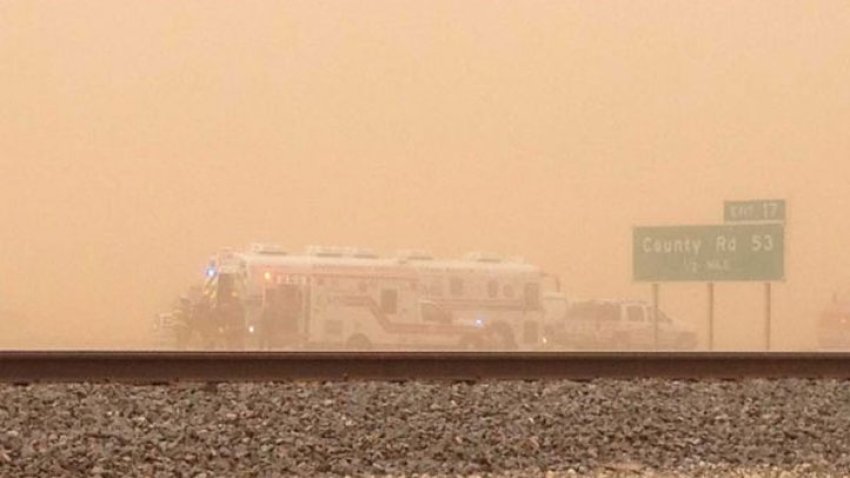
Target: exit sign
(761, 210)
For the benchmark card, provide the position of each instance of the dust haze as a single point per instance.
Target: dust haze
(137, 139)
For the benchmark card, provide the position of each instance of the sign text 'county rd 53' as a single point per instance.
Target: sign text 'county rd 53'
(746, 252)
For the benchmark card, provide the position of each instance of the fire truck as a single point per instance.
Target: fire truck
(833, 326)
(348, 298)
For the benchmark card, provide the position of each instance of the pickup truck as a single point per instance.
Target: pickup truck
(615, 325)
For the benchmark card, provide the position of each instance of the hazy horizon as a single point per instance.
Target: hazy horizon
(137, 139)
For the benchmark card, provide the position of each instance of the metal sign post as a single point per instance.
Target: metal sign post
(760, 210)
(710, 315)
(767, 316)
(655, 314)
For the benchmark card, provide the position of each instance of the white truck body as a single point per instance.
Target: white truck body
(350, 298)
(618, 325)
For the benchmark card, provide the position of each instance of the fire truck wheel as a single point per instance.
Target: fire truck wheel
(470, 342)
(358, 342)
(621, 342)
(686, 342)
(182, 334)
(235, 343)
(192, 340)
(501, 337)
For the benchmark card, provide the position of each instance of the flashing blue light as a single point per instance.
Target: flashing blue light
(211, 272)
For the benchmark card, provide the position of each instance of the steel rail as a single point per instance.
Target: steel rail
(170, 367)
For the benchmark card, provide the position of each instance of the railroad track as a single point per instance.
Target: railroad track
(171, 367)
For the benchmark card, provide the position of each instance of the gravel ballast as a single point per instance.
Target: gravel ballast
(559, 428)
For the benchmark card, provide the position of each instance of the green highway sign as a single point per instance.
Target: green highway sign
(760, 210)
(729, 252)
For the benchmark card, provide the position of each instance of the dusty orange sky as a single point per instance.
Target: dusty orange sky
(136, 138)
